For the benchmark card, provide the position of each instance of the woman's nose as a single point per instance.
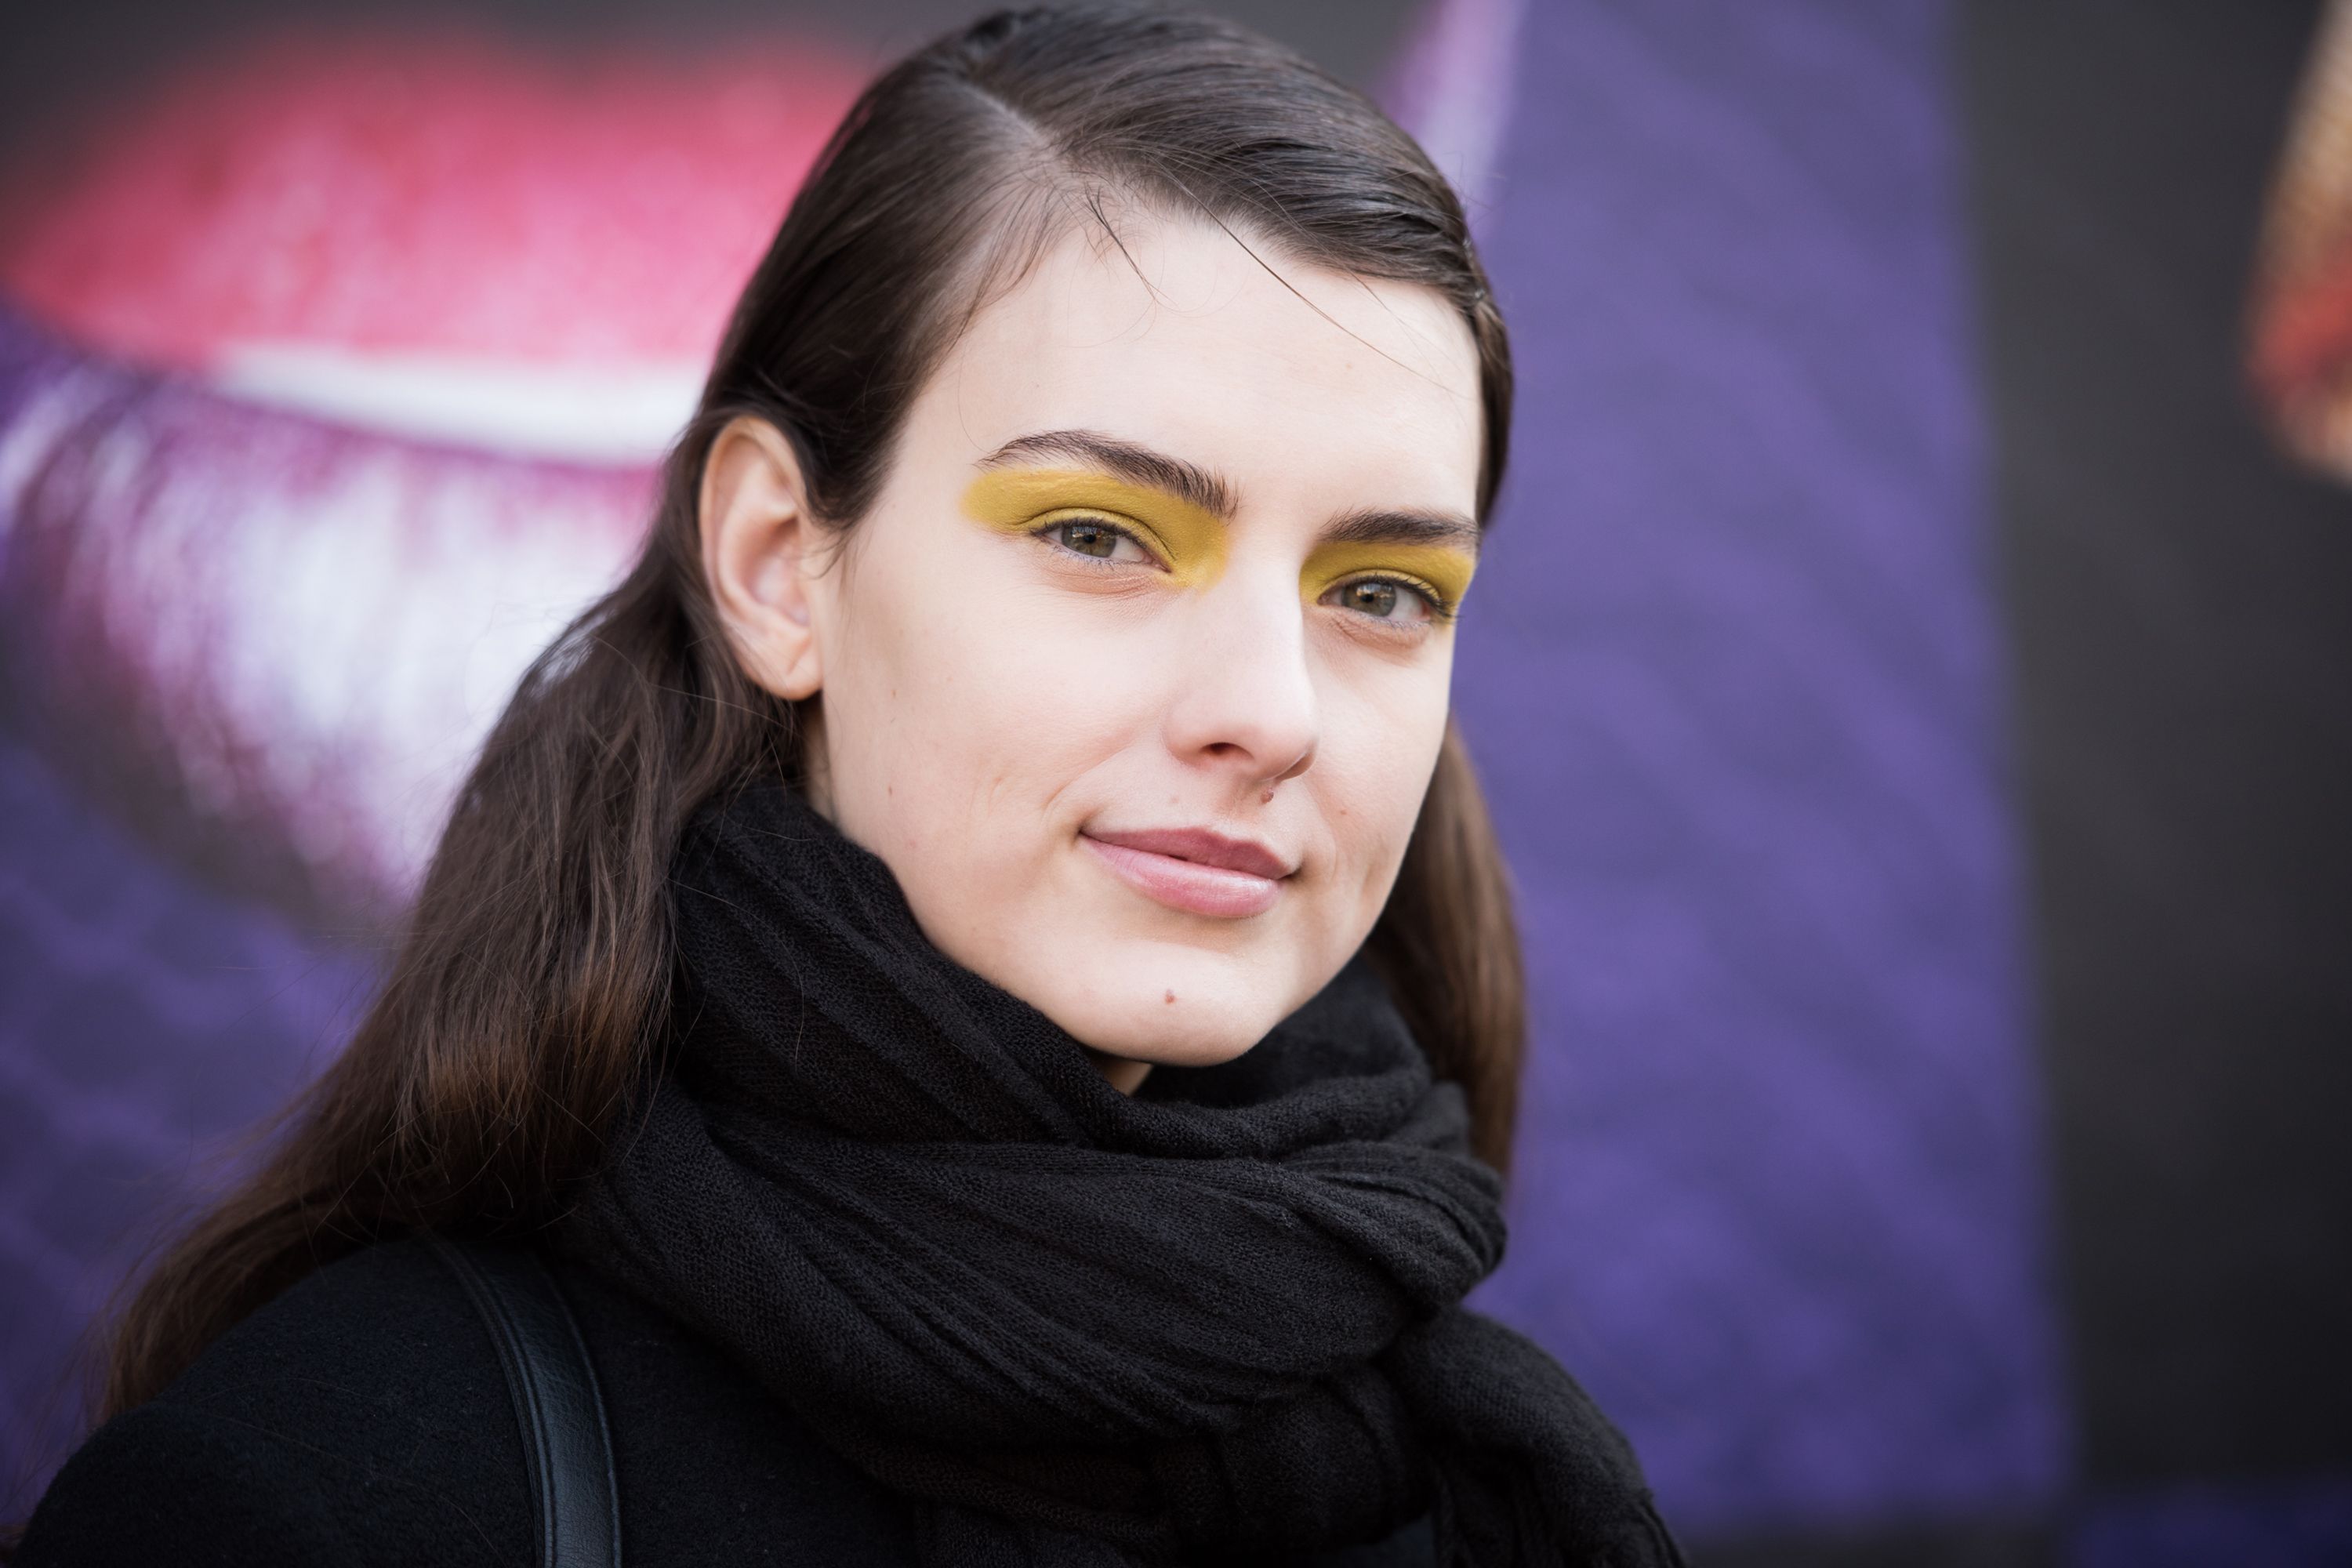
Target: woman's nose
(1244, 694)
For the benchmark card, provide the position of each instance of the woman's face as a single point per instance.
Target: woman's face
(1136, 672)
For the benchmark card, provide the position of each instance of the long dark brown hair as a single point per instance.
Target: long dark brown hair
(530, 992)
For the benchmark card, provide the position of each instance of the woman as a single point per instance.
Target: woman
(980, 966)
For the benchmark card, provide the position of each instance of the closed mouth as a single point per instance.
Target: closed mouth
(1194, 869)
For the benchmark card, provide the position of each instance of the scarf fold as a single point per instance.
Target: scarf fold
(1219, 1319)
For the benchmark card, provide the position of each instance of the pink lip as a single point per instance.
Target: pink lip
(1194, 869)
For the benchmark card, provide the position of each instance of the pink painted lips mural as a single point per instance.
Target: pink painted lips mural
(331, 380)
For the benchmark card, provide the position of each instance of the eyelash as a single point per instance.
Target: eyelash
(1440, 609)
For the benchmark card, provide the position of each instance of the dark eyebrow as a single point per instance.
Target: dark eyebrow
(1126, 461)
(1210, 492)
(1446, 529)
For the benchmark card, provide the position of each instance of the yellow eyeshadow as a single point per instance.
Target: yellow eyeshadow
(1190, 540)
(1447, 571)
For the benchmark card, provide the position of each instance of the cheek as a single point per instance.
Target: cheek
(961, 703)
(1376, 759)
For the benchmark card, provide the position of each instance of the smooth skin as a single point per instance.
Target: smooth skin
(1137, 670)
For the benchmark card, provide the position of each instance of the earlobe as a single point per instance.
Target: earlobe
(758, 537)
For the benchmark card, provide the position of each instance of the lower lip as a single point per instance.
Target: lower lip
(1188, 885)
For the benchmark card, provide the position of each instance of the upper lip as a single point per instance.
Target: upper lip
(1202, 845)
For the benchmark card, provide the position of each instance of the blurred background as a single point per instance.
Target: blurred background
(1915, 677)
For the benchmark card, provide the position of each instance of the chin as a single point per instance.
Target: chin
(1221, 1009)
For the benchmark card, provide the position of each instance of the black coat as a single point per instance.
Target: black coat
(364, 1418)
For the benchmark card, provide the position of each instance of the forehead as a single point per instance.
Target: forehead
(1307, 387)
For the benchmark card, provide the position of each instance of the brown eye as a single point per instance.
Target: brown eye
(1387, 599)
(1096, 539)
(1090, 537)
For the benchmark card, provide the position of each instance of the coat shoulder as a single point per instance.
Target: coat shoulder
(364, 1417)
(361, 1417)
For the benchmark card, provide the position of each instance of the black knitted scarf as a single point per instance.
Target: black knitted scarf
(1218, 1320)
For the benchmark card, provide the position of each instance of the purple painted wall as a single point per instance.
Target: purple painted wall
(143, 1019)
(1733, 677)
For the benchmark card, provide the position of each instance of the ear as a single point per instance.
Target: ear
(760, 545)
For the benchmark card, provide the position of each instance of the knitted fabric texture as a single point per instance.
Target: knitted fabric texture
(1216, 1320)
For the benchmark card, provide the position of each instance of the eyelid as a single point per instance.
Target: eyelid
(1192, 544)
(1439, 572)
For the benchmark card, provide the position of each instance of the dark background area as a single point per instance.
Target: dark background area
(2181, 634)
(58, 60)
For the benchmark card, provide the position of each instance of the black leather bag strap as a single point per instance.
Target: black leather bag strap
(564, 1438)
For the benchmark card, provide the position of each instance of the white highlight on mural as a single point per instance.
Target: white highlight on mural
(1453, 92)
(623, 416)
(303, 631)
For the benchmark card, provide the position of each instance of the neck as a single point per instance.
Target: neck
(1122, 1073)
